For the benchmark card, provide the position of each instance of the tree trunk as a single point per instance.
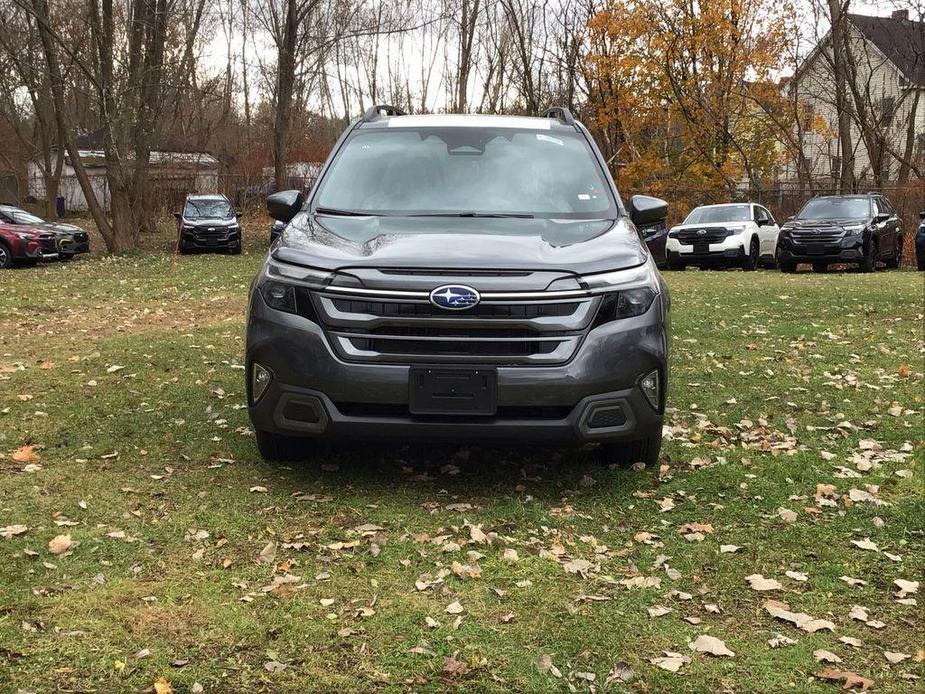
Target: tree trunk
(50, 52)
(846, 182)
(285, 86)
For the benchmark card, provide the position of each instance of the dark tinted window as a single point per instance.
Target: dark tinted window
(490, 170)
(836, 208)
(207, 209)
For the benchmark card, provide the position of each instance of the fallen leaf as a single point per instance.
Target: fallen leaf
(59, 544)
(454, 608)
(162, 686)
(824, 656)
(453, 667)
(729, 549)
(894, 657)
(9, 531)
(866, 544)
(780, 640)
(620, 671)
(760, 583)
(26, 454)
(787, 515)
(851, 679)
(510, 555)
(670, 661)
(711, 645)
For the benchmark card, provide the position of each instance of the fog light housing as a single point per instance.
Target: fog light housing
(651, 388)
(260, 381)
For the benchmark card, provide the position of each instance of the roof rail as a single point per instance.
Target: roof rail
(375, 112)
(561, 114)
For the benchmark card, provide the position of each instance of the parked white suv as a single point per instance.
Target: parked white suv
(734, 235)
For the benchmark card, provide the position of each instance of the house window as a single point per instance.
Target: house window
(836, 167)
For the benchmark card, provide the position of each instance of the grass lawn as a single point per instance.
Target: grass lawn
(796, 428)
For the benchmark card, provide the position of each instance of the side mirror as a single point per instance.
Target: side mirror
(285, 205)
(882, 217)
(921, 215)
(177, 215)
(647, 211)
(239, 213)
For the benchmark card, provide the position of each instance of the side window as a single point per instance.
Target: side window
(768, 216)
(887, 207)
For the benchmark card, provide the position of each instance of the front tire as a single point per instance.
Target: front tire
(751, 260)
(867, 262)
(6, 257)
(895, 259)
(787, 266)
(282, 448)
(920, 262)
(625, 453)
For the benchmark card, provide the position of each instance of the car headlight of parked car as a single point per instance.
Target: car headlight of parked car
(25, 236)
(279, 284)
(854, 229)
(627, 293)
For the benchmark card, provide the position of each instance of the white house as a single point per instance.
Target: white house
(890, 56)
(173, 175)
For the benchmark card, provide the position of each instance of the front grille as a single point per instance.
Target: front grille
(410, 330)
(400, 309)
(822, 235)
(531, 412)
(472, 347)
(688, 237)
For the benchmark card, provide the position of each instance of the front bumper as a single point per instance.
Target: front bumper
(39, 249)
(846, 250)
(194, 239)
(729, 250)
(316, 393)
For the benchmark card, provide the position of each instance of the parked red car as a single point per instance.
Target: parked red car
(26, 244)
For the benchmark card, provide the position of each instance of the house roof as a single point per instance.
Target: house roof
(901, 40)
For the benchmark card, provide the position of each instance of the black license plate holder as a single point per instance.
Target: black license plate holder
(815, 249)
(451, 390)
(701, 248)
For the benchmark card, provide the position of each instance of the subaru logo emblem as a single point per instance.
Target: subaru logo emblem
(454, 297)
(701, 232)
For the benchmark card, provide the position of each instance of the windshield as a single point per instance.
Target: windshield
(719, 213)
(207, 209)
(836, 208)
(467, 171)
(18, 216)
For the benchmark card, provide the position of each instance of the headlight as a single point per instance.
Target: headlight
(627, 293)
(25, 237)
(278, 295)
(855, 228)
(625, 304)
(736, 228)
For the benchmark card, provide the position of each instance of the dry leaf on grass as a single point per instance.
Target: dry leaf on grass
(824, 656)
(454, 608)
(26, 454)
(760, 583)
(670, 661)
(59, 544)
(7, 532)
(895, 657)
(851, 679)
(711, 645)
(801, 620)
(162, 686)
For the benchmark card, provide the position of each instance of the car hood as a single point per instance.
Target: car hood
(708, 225)
(823, 223)
(580, 246)
(213, 222)
(58, 228)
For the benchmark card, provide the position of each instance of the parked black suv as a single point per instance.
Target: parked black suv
(460, 277)
(208, 223)
(861, 229)
(920, 243)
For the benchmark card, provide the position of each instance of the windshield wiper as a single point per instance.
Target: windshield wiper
(341, 213)
(473, 214)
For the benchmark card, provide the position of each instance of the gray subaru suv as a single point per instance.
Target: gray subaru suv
(464, 278)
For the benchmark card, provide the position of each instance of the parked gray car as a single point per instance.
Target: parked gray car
(463, 278)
